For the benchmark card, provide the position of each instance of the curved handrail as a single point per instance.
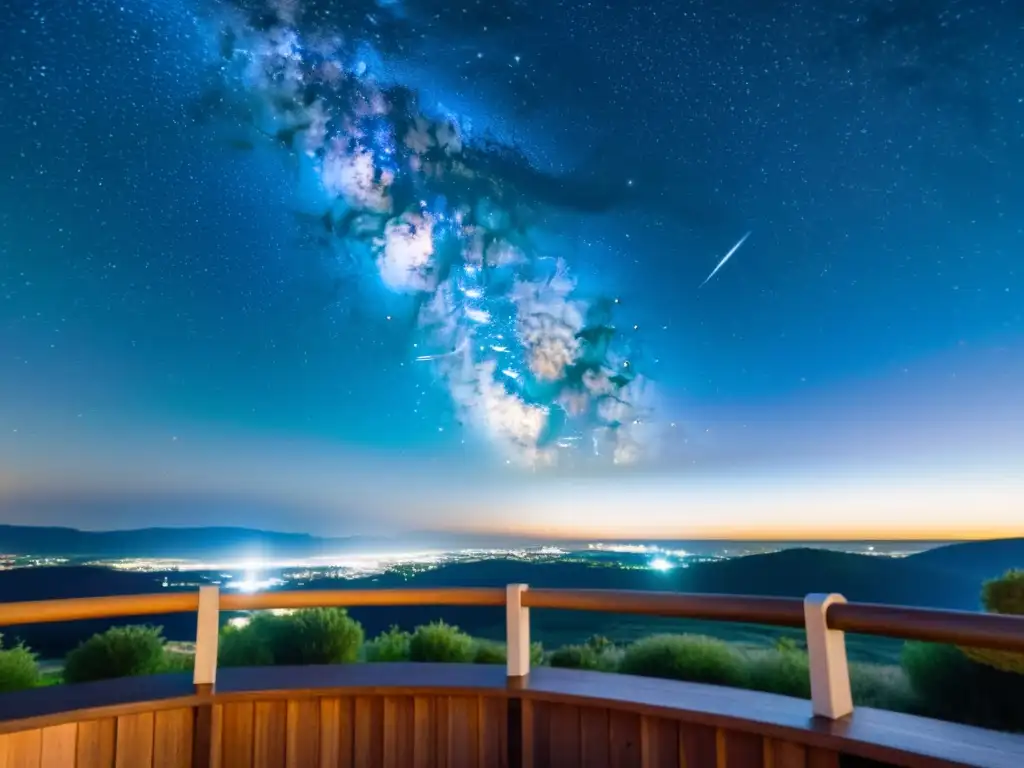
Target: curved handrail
(981, 630)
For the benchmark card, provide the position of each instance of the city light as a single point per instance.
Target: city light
(660, 564)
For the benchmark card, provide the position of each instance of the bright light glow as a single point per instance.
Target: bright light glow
(252, 583)
(660, 564)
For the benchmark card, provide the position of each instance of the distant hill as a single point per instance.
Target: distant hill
(173, 543)
(788, 573)
(978, 559)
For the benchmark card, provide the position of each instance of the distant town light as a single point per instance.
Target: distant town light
(660, 564)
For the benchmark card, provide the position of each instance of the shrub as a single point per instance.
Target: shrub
(18, 669)
(247, 646)
(392, 645)
(684, 657)
(309, 636)
(491, 652)
(1005, 594)
(578, 657)
(951, 686)
(118, 652)
(438, 641)
(786, 672)
(178, 662)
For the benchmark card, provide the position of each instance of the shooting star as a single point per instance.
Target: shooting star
(725, 259)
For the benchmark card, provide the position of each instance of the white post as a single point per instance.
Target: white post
(517, 628)
(826, 649)
(207, 629)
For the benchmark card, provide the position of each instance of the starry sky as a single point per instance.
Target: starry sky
(417, 265)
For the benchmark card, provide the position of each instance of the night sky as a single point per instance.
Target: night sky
(365, 267)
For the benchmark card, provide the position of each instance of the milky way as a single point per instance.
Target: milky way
(444, 218)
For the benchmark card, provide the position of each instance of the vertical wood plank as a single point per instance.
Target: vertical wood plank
(528, 746)
(742, 750)
(463, 731)
(329, 748)
(564, 744)
(424, 748)
(270, 719)
(697, 747)
(441, 720)
(303, 734)
(172, 738)
(3, 750)
(25, 749)
(595, 738)
(398, 731)
(96, 743)
(822, 758)
(659, 742)
(59, 747)
(541, 733)
(237, 720)
(789, 755)
(134, 741)
(494, 732)
(216, 736)
(768, 750)
(624, 736)
(368, 732)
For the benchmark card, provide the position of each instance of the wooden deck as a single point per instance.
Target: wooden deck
(455, 716)
(466, 716)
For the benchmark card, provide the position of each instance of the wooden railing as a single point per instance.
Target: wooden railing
(829, 722)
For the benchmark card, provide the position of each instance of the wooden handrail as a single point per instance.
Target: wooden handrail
(350, 598)
(978, 630)
(778, 611)
(74, 609)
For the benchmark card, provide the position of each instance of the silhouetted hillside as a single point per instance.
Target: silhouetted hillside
(171, 543)
(978, 559)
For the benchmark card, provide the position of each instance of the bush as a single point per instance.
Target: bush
(578, 657)
(18, 669)
(442, 642)
(392, 645)
(491, 652)
(1005, 594)
(786, 672)
(118, 652)
(309, 636)
(178, 662)
(694, 658)
(951, 686)
(247, 646)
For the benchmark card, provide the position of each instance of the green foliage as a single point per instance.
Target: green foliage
(309, 636)
(247, 646)
(392, 645)
(786, 672)
(951, 686)
(119, 652)
(441, 642)
(786, 644)
(1005, 594)
(490, 652)
(18, 668)
(685, 657)
(178, 662)
(578, 657)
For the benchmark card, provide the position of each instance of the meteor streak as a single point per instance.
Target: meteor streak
(725, 259)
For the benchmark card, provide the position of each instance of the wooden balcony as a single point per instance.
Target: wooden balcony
(468, 715)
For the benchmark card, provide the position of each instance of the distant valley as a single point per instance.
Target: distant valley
(944, 577)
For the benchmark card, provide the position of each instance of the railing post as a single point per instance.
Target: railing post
(517, 628)
(207, 630)
(826, 649)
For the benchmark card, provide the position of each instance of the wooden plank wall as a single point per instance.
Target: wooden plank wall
(363, 731)
(148, 740)
(398, 731)
(568, 736)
